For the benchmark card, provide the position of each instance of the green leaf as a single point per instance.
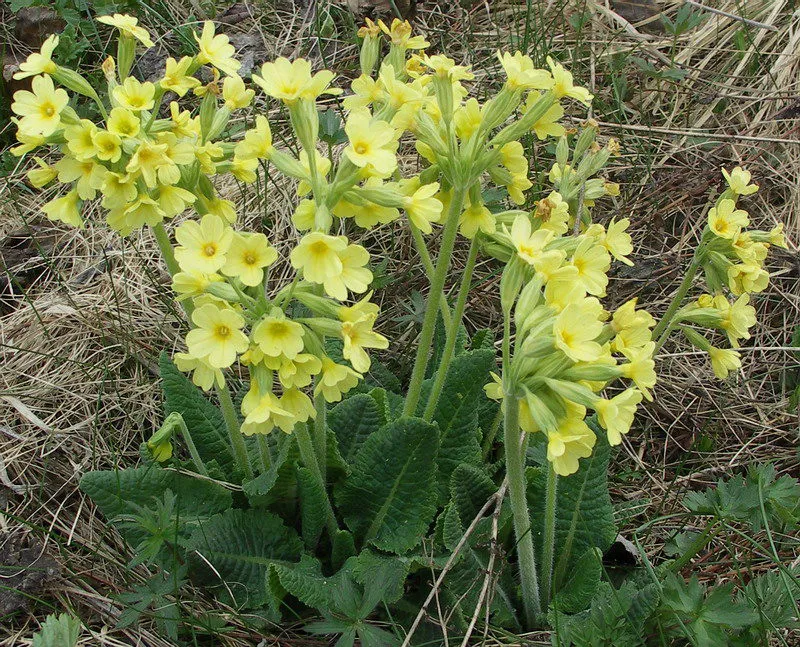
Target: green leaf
(470, 489)
(381, 575)
(234, 551)
(353, 420)
(773, 595)
(578, 591)
(584, 514)
(344, 547)
(58, 631)
(390, 498)
(203, 419)
(457, 413)
(284, 452)
(117, 492)
(313, 509)
(330, 127)
(306, 582)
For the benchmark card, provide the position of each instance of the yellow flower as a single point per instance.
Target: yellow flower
(202, 247)
(576, 328)
(80, 139)
(616, 415)
(528, 245)
(247, 257)
(400, 35)
(512, 156)
(257, 141)
(357, 336)
(592, 262)
(723, 361)
(173, 200)
(298, 372)
(123, 122)
(317, 256)
(553, 212)
(632, 326)
(218, 337)
(521, 74)
(335, 380)
(117, 189)
(474, 218)
(563, 85)
(354, 276)
(108, 146)
(191, 283)
(89, 176)
(615, 239)
(725, 220)
(142, 211)
(299, 406)
(278, 336)
(548, 124)
(129, 26)
(737, 317)
(40, 62)
(42, 175)
(41, 108)
(422, 208)
(203, 374)
(134, 95)
(176, 77)
(777, 237)
(235, 93)
(747, 278)
(290, 81)
(739, 181)
(371, 143)
(572, 440)
(27, 141)
(468, 118)
(366, 215)
(261, 411)
(224, 209)
(641, 368)
(147, 160)
(216, 50)
(64, 209)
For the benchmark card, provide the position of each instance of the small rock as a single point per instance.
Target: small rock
(35, 24)
(27, 571)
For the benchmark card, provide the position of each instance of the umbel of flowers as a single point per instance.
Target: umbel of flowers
(153, 154)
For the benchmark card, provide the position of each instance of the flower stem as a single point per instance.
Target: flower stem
(664, 326)
(265, 452)
(321, 435)
(187, 438)
(515, 469)
(165, 245)
(309, 459)
(452, 330)
(548, 547)
(434, 298)
(425, 257)
(234, 433)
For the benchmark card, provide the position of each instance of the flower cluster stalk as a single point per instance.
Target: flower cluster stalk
(434, 297)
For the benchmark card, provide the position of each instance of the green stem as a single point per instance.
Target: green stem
(548, 548)
(515, 469)
(452, 330)
(309, 459)
(165, 245)
(700, 542)
(427, 263)
(662, 330)
(187, 438)
(434, 298)
(321, 435)
(491, 434)
(234, 433)
(264, 452)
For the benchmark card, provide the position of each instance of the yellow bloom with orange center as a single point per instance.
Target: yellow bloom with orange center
(216, 50)
(40, 108)
(202, 246)
(218, 337)
(247, 257)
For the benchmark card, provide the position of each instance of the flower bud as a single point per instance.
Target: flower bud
(288, 165)
(109, 68)
(572, 391)
(126, 49)
(510, 284)
(696, 339)
(159, 444)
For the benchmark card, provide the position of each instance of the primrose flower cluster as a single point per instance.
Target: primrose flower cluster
(732, 258)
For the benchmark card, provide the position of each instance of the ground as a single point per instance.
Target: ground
(84, 314)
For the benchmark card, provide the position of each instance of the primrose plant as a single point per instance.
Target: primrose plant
(382, 482)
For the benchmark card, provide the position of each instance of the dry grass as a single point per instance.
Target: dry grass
(78, 344)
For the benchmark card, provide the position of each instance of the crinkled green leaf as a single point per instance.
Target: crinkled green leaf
(313, 509)
(234, 550)
(353, 421)
(58, 631)
(390, 498)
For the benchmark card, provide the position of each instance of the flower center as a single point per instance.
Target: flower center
(250, 258)
(319, 248)
(223, 332)
(360, 148)
(48, 109)
(210, 249)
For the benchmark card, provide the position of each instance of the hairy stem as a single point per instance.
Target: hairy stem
(452, 330)
(309, 458)
(427, 263)
(434, 298)
(187, 438)
(664, 326)
(548, 548)
(321, 435)
(234, 432)
(515, 469)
